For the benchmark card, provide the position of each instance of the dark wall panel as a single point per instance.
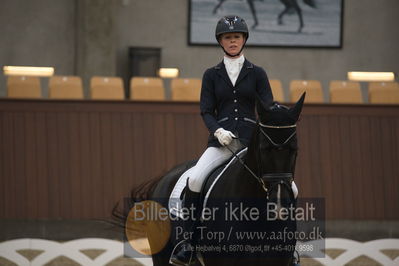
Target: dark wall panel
(76, 159)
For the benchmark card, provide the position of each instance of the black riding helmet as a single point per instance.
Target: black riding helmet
(230, 24)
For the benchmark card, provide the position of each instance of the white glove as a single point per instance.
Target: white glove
(224, 136)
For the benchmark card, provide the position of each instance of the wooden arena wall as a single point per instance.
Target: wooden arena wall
(76, 159)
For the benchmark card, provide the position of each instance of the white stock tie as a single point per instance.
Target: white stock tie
(233, 67)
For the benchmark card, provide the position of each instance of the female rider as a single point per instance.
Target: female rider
(228, 94)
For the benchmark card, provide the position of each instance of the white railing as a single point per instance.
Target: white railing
(72, 249)
(114, 249)
(354, 249)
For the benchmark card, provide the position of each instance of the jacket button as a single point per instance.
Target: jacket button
(234, 91)
(236, 118)
(235, 110)
(235, 100)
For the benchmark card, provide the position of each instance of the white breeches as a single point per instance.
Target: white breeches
(210, 160)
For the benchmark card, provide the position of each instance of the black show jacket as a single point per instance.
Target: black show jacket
(233, 107)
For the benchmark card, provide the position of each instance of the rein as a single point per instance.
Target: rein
(286, 176)
(260, 180)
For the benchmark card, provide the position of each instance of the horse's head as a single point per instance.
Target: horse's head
(276, 136)
(275, 147)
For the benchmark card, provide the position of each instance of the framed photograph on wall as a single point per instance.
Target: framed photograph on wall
(279, 23)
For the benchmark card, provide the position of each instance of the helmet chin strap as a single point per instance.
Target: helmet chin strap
(231, 55)
(235, 55)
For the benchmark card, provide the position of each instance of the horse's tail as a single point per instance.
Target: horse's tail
(143, 192)
(139, 193)
(310, 3)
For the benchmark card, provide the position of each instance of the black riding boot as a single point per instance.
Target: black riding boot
(184, 253)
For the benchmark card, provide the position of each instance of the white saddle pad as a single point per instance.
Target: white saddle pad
(175, 203)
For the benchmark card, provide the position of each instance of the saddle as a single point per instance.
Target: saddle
(175, 203)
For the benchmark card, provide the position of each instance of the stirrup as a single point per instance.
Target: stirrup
(296, 261)
(193, 259)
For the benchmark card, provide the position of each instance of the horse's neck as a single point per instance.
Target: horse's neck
(239, 182)
(251, 159)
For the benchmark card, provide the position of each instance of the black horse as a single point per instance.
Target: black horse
(244, 205)
(290, 6)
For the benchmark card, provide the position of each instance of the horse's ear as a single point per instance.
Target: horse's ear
(295, 111)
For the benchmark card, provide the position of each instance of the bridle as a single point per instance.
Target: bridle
(276, 178)
(283, 177)
(269, 126)
(276, 127)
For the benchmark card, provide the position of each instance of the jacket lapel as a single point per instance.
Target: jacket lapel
(221, 70)
(246, 68)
